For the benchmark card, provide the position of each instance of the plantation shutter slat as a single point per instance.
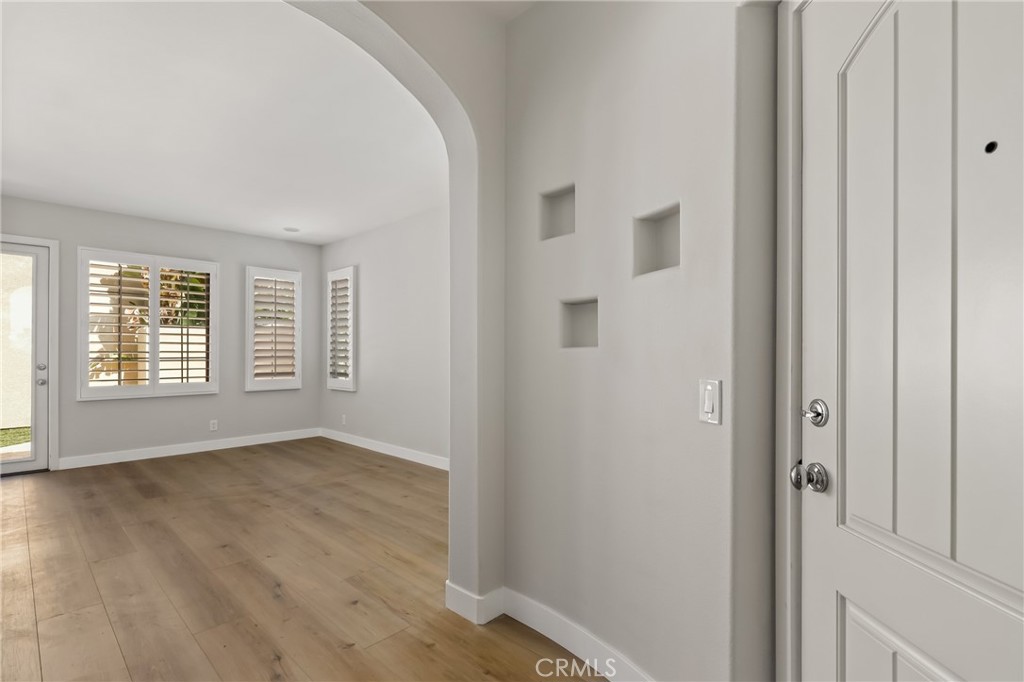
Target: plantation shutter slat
(274, 326)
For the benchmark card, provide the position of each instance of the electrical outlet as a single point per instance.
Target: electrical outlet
(213, 424)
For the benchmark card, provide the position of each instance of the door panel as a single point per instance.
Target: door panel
(867, 86)
(990, 300)
(923, 276)
(913, 327)
(870, 650)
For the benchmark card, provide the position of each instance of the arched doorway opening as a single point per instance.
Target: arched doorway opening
(470, 514)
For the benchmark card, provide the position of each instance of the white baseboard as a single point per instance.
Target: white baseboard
(473, 607)
(581, 642)
(430, 460)
(585, 645)
(75, 462)
(182, 448)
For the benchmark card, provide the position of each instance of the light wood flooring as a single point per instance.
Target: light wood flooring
(305, 560)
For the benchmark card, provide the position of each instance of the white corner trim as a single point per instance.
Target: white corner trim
(581, 642)
(473, 607)
(435, 461)
(182, 448)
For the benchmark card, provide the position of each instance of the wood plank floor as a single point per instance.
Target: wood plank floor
(306, 560)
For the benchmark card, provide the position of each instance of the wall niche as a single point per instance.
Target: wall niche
(558, 212)
(656, 241)
(579, 323)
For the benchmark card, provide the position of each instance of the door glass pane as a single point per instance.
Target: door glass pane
(16, 356)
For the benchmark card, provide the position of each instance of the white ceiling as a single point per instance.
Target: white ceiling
(243, 116)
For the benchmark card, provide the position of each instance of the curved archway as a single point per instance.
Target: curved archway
(466, 508)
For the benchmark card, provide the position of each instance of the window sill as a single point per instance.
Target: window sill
(260, 385)
(124, 395)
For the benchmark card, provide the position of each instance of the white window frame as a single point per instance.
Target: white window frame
(153, 389)
(337, 383)
(252, 273)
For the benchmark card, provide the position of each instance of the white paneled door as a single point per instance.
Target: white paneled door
(913, 266)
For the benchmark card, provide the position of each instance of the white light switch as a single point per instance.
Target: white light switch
(710, 403)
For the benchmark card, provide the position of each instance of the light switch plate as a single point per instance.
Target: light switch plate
(709, 401)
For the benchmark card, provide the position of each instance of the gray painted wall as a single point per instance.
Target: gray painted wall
(624, 513)
(402, 360)
(404, 333)
(92, 427)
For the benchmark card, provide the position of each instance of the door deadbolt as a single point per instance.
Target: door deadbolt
(816, 412)
(814, 476)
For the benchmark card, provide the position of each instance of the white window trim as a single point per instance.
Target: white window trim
(154, 389)
(333, 383)
(251, 382)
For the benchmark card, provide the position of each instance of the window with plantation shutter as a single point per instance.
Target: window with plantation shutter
(118, 318)
(273, 319)
(184, 341)
(147, 325)
(341, 329)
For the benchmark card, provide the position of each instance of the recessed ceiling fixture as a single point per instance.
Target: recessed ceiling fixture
(291, 229)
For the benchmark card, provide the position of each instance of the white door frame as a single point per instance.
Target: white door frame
(52, 341)
(788, 361)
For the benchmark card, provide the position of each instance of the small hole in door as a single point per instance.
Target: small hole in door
(991, 147)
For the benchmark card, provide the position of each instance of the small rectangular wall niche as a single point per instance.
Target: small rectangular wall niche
(579, 323)
(558, 212)
(656, 241)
